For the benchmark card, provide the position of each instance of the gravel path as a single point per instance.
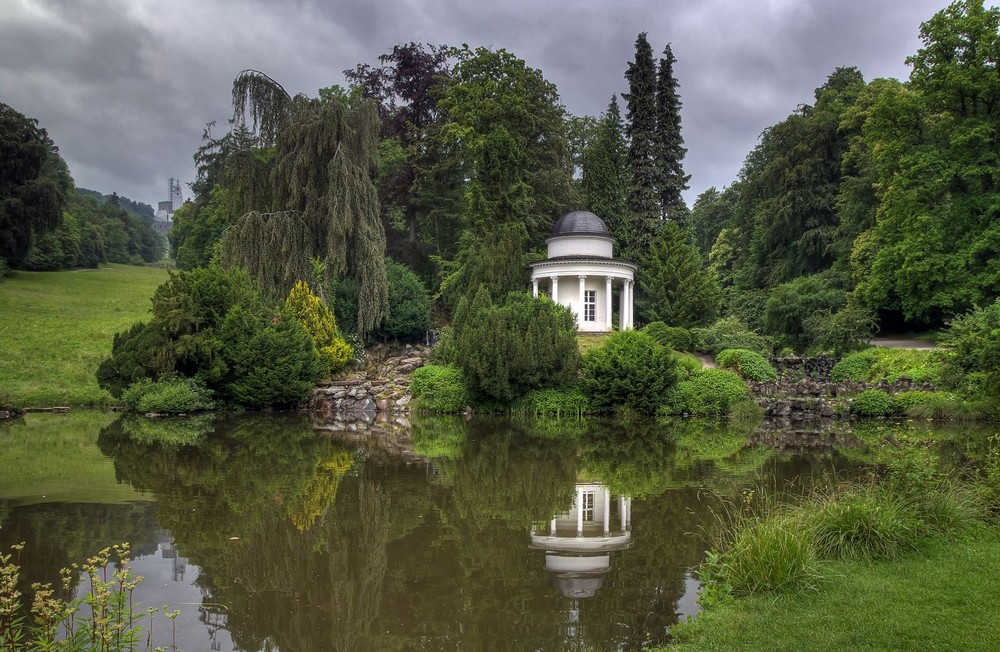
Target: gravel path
(897, 343)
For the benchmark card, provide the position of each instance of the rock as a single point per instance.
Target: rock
(403, 402)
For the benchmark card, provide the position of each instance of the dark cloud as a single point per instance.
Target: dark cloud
(125, 87)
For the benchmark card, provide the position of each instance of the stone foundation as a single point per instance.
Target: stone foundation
(380, 384)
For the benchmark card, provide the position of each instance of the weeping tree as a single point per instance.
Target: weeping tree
(304, 186)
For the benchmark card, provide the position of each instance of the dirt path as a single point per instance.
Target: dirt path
(899, 343)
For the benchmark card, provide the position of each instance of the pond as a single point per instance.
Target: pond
(277, 533)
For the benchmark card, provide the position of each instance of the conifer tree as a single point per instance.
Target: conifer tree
(640, 102)
(675, 286)
(605, 171)
(311, 168)
(670, 178)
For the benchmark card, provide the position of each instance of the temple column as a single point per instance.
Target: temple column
(621, 512)
(621, 307)
(552, 528)
(579, 511)
(631, 291)
(607, 302)
(581, 317)
(554, 282)
(534, 287)
(607, 512)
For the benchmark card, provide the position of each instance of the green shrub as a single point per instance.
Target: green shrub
(920, 366)
(687, 364)
(552, 401)
(873, 403)
(168, 431)
(270, 362)
(709, 393)
(630, 371)
(791, 304)
(974, 342)
(318, 320)
(409, 305)
(169, 395)
(510, 348)
(863, 522)
(952, 507)
(143, 351)
(843, 331)
(439, 388)
(672, 337)
(749, 364)
(730, 333)
(853, 367)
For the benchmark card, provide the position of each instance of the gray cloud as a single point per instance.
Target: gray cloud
(125, 88)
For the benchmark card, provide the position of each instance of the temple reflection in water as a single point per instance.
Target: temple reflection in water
(578, 543)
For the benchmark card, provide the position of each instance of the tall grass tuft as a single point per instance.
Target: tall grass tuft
(863, 522)
(770, 555)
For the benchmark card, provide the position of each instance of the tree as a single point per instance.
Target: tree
(407, 87)
(312, 171)
(712, 212)
(930, 149)
(670, 178)
(605, 173)
(510, 129)
(640, 127)
(30, 201)
(676, 288)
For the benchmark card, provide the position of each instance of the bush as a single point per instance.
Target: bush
(143, 351)
(688, 365)
(318, 320)
(629, 371)
(170, 395)
(791, 304)
(271, 362)
(409, 305)
(709, 393)
(730, 333)
(974, 341)
(873, 403)
(552, 401)
(439, 388)
(510, 348)
(749, 364)
(840, 332)
(853, 367)
(672, 337)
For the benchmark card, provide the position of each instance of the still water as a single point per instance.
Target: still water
(277, 533)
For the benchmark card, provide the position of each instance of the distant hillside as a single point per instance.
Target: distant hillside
(140, 209)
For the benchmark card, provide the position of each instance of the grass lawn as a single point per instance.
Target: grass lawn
(56, 327)
(944, 598)
(588, 341)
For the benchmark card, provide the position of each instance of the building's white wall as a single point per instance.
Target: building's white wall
(580, 245)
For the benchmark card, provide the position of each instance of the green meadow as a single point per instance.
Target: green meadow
(56, 327)
(944, 597)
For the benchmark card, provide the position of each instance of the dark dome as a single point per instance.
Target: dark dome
(580, 223)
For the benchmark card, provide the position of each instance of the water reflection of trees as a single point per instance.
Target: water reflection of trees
(312, 547)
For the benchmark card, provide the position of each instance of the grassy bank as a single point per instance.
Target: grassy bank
(944, 597)
(56, 327)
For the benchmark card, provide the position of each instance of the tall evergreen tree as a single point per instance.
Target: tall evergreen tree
(640, 103)
(670, 178)
(309, 194)
(676, 287)
(605, 171)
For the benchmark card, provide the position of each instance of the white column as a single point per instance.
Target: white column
(607, 302)
(552, 528)
(534, 287)
(554, 282)
(607, 512)
(621, 512)
(621, 306)
(629, 302)
(579, 313)
(579, 511)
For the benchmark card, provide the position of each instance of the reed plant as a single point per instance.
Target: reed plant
(105, 618)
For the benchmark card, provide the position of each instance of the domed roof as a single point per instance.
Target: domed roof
(580, 223)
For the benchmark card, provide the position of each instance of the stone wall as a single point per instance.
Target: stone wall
(380, 383)
(808, 398)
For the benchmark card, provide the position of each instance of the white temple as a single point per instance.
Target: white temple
(581, 273)
(578, 543)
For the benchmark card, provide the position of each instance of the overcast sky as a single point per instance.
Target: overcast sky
(125, 87)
